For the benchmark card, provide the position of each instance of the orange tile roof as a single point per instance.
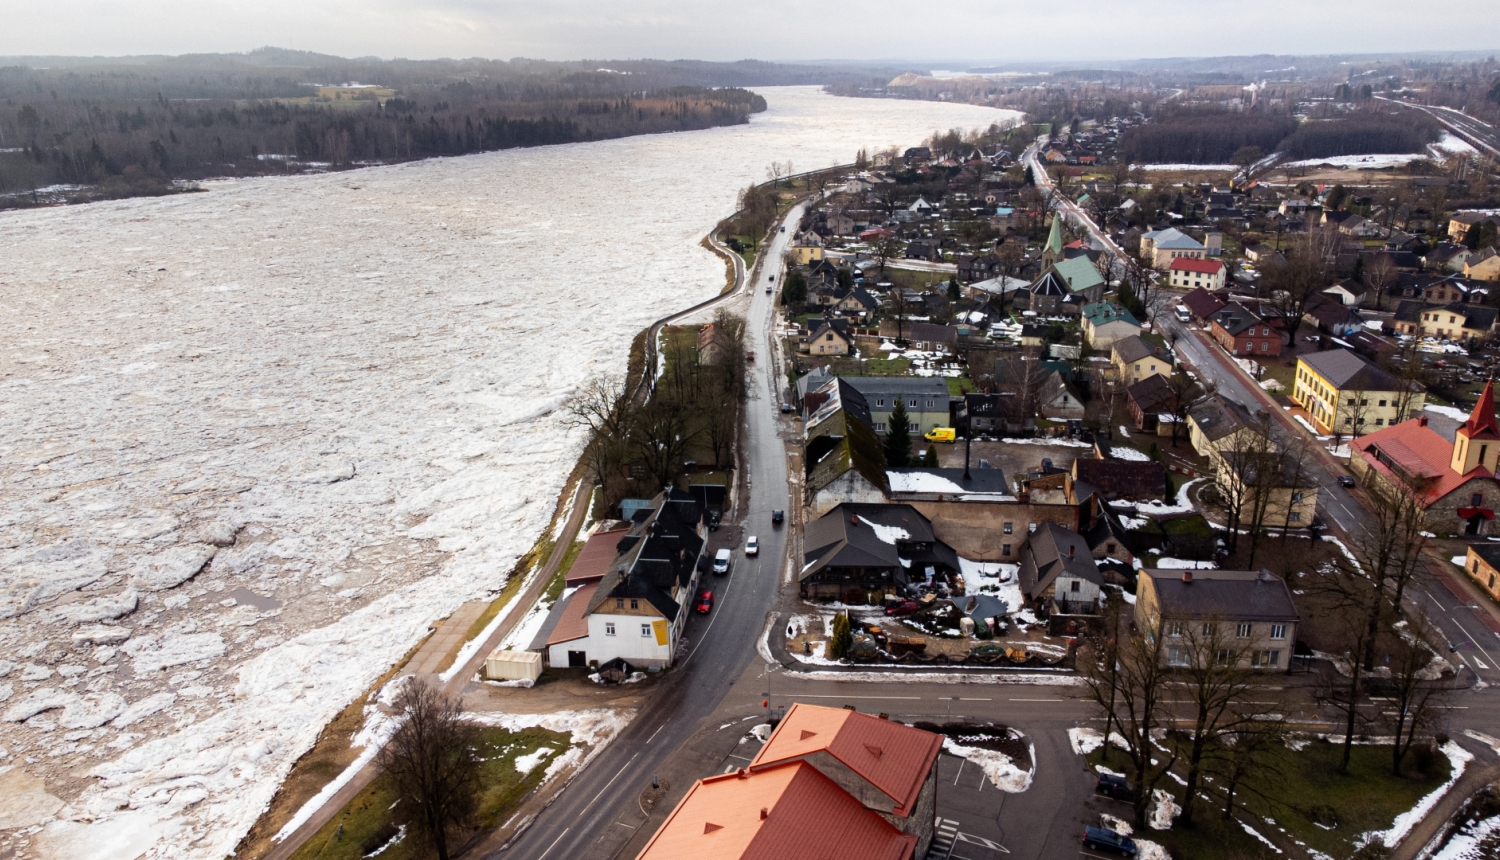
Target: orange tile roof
(892, 757)
(574, 623)
(788, 810)
(1420, 451)
(593, 560)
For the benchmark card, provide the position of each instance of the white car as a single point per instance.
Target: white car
(752, 546)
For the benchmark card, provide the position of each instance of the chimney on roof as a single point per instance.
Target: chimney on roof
(853, 520)
(886, 717)
(851, 708)
(1422, 420)
(763, 813)
(1070, 550)
(1187, 577)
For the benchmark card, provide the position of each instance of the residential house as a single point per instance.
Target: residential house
(1189, 273)
(843, 457)
(1482, 564)
(1248, 613)
(829, 783)
(1456, 322)
(1217, 424)
(1241, 332)
(1462, 222)
(857, 300)
(1447, 257)
(1164, 246)
(1348, 293)
(1449, 469)
(1329, 315)
(1293, 206)
(978, 268)
(923, 249)
(1106, 322)
(1058, 572)
(856, 553)
(1483, 266)
(827, 337)
(1056, 401)
(1202, 304)
(634, 607)
(930, 337)
(1131, 480)
(1344, 393)
(1134, 359)
(807, 249)
(1150, 399)
(926, 400)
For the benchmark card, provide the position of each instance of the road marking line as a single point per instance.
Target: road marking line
(961, 763)
(1038, 700)
(608, 784)
(810, 696)
(554, 843)
(655, 733)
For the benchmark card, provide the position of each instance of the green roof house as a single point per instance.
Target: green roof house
(1106, 322)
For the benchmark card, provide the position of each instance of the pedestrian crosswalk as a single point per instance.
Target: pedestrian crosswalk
(942, 839)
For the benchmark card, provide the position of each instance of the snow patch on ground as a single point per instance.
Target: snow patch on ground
(1180, 506)
(1466, 844)
(1459, 758)
(1447, 412)
(998, 766)
(1129, 454)
(1184, 564)
(1014, 678)
(1041, 440)
(527, 763)
(1163, 810)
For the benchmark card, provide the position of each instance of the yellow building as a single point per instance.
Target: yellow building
(1484, 266)
(1345, 394)
(806, 250)
(1134, 359)
(1483, 566)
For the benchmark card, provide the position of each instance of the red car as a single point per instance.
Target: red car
(905, 607)
(705, 603)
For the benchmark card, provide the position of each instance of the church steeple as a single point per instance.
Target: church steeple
(1053, 250)
(1477, 442)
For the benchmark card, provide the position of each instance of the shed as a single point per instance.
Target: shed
(505, 665)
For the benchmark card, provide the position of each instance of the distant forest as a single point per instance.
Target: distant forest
(1212, 137)
(85, 129)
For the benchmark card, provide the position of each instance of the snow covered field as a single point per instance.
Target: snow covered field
(258, 439)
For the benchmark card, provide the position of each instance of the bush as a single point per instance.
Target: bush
(838, 644)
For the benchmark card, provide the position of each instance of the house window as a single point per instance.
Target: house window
(1243, 630)
(1223, 656)
(1382, 403)
(1278, 631)
(1207, 629)
(1474, 568)
(1477, 499)
(1492, 582)
(609, 629)
(1005, 549)
(619, 603)
(1109, 548)
(1007, 528)
(1175, 628)
(1295, 516)
(1265, 659)
(880, 427)
(1176, 657)
(912, 404)
(635, 604)
(1075, 586)
(880, 402)
(1379, 422)
(1296, 497)
(1031, 529)
(1137, 368)
(645, 629)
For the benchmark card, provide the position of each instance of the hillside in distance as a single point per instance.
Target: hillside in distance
(79, 129)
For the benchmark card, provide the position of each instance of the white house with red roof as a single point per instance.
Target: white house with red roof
(1188, 273)
(1449, 470)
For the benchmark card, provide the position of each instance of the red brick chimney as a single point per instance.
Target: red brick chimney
(1422, 420)
(1187, 577)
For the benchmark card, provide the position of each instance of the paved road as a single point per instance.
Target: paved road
(1076, 216)
(721, 645)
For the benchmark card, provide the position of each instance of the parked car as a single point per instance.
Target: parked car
(940, 434)
(713, 520)
(1345, 481)
(902, 607)
(752, 546)
(1113, 785)
(705, 602)
(777, 517)
(785, 407)
(1108, 840)
(721, 561)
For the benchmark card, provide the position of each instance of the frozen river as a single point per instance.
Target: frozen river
(341, 393)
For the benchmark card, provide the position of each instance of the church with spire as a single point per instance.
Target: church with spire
(1447, 466)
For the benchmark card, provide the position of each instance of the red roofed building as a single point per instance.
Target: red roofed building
(1187, 273)
(829, 784)
(1452, 474)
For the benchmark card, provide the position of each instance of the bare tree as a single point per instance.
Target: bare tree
(1240, 477)
(1298, 464)
(1379, 276)
(1350, 600)
(1293, 285)
(886, 248)
(1215, 678)
(1129, 683)
(1185, 392)
(1244, 751)
(431, 762)
(603, 409)
(1417, 699)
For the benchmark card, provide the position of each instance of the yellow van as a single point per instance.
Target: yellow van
(940, 434)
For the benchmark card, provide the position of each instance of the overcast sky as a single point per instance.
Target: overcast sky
(973, 30)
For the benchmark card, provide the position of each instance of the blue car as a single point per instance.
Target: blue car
(1108, 840)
